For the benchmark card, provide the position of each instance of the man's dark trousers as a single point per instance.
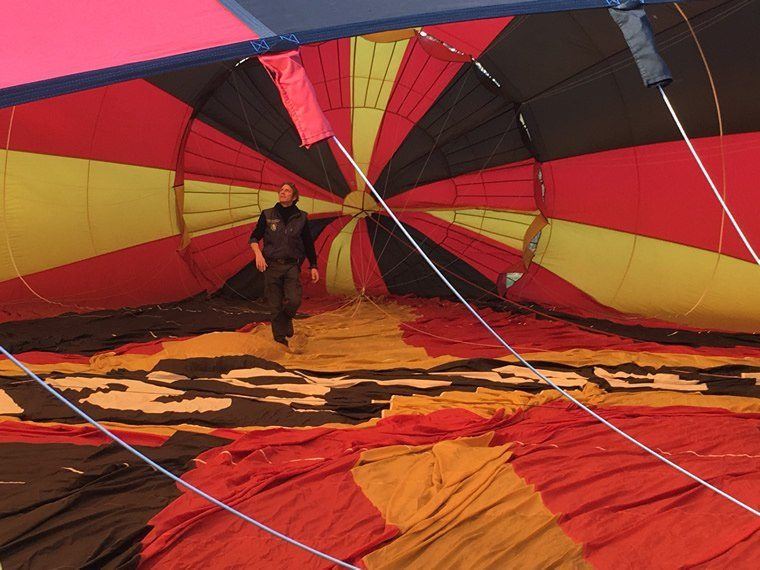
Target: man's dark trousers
(282, 287)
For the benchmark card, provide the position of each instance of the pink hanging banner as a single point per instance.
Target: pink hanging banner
(298, 95)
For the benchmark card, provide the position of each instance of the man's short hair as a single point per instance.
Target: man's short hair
(294, 188)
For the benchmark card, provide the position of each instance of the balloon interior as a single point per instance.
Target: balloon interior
(519, 149)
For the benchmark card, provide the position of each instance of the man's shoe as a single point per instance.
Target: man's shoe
(281, 340)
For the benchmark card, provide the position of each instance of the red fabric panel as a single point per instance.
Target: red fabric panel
(329, 67)
(23, 432)
(609, 495)
(628, 508)
(333, 516)
(297, 481)
(41, 357)
(62, 38)
(440, 50)
(539, 285)
(146, 348)
(364, 266)
(422, 79)
(487, 256)
(470, 37)
(5, 121)
(129, 123)
(216, 157)
(215, 257)
(525, 333)
(213, 156)
(298, 96)
(508, 187)
(148, 273)
(658, 191)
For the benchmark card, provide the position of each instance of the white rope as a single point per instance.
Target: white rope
(707, 176)
(521, 359)
(168, 473)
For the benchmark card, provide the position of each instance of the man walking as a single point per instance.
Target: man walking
(287, 242)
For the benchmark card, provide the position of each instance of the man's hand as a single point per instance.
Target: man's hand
(314, 275)
(261, 263)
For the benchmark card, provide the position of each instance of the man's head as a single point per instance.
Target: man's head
(288, 194)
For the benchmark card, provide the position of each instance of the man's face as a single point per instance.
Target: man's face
(286, 195)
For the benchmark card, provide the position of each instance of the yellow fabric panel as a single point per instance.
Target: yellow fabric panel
(334, 345)
(127, 201)
(174, 428)
(459, 504)
(596, 396)
(60, 210)
(373, 67)
(486, 402)
(5, 257)
(144, 428)
(211, 206)
(331, 344)
(397, 351)
(503, 226)
(664, 280)
(359, 204)
(8, 407)
(7, 368)
(339, 275)
(586, 357)
(337, 345)
(316, 206)
(391, 36)
(130, 394)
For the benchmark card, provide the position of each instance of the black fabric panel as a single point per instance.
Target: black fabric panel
(247, 107)
(198, 367)
(405, 272)
(581, 91)
(39, 406)
(85, 506)
(575, 82)
(318, 225)
(661, 335)
(355, 402)
(347, 403)
(243, 103)
(248, 283)
(108, 330)
(569, 74)
(101, 331)
(194, 84)
(470, 127)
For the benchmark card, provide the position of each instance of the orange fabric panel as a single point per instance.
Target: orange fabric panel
(459, 504)
(486, 402)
